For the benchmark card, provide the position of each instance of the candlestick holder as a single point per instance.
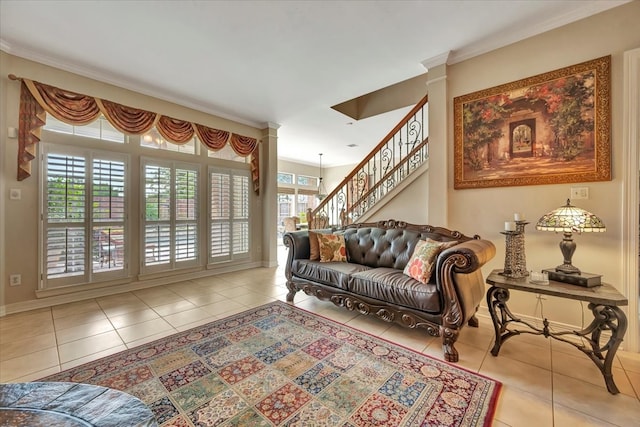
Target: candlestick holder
(515, 263)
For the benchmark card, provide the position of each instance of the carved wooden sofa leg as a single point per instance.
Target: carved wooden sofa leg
(449, 337)
(292, 291)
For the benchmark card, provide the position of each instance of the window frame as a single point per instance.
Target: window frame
(104, 128)
(230, 256)
(173, 264)
(313, 181)
(89, 222)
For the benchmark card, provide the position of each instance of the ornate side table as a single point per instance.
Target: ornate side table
(604, 302)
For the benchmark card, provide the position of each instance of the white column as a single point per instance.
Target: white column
(439, 158)
(267, 202)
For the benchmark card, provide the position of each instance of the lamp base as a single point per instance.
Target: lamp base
(567, 269)
(586, 280)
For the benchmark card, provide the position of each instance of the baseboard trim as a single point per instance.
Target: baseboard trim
(111, 289)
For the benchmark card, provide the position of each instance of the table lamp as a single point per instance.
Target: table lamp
(570, 219)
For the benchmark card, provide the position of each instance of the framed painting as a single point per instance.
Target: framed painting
(551, 128)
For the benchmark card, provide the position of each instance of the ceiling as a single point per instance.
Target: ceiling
(279, 62)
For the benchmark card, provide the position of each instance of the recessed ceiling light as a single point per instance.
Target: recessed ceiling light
(352, 145)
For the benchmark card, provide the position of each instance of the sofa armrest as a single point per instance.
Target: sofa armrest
(298, 244)
(460, 281)
(466, 257)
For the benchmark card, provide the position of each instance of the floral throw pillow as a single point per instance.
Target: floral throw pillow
(423, 260)
(332, 247)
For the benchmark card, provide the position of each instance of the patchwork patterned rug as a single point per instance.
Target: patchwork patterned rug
(278, 365)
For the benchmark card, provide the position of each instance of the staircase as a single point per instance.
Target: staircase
(391, 162)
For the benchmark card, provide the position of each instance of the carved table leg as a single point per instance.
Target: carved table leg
(605, 318)
(497, 301)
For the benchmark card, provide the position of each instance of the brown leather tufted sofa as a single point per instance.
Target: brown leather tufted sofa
(372, 281)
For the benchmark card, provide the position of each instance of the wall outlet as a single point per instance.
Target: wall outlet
(15, 279)
(579, 193)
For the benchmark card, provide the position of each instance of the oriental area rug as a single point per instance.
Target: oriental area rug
(278, 365)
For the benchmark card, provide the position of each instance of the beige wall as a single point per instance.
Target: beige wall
(414, 195)
(19, 237)
(484, 211)
(472, 211)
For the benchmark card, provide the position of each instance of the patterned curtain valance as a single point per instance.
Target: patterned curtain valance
(37, 99)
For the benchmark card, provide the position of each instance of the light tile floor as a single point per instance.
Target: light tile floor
(546, 383)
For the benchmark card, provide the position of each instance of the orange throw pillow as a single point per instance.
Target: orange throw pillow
(314, 246)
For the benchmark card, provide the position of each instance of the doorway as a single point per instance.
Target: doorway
(522, 138)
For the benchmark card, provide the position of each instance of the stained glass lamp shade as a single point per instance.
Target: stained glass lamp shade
(570, 219)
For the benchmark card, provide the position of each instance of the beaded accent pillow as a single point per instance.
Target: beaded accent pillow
(423, 260)
(332, 247)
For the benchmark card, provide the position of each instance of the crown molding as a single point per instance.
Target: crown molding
(586, 10)
(269, 125)
(5, 46)
(121, 83)
(434, 61)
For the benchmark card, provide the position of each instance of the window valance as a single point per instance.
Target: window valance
(38, 99)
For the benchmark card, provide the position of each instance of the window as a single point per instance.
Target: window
(285, 178)
(307, 181)
(170, 231)
(85, 227)
(285, 204)
(229, 214)
(99, 129)
(227, 153)
(306, 200)
(84, 215)
(154, 140)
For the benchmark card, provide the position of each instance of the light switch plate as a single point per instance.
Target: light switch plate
(15, 194)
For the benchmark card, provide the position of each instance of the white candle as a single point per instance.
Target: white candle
(509, 226)
(518, 216)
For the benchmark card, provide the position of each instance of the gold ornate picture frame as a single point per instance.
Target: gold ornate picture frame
(551, 128)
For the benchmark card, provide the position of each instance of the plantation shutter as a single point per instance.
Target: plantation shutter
(84, 216)
(186, 239)
(229, 215)
(108, 212)
(220, 215)
(157, 231)
(65, 244)
(240, 215)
